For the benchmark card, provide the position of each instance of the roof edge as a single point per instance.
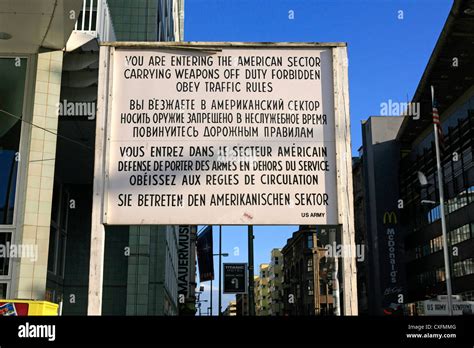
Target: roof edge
(434, 56)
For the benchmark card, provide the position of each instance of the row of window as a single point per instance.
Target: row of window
(455, 236)
(431, 277)
(461, 200)
(463, 268)
(460, 269)
(458, 174)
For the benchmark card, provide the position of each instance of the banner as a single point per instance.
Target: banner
(204, 254)
(184, 259)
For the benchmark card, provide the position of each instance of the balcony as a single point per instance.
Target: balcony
(93, 22)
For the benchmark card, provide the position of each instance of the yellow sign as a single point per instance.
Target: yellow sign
(390, 218)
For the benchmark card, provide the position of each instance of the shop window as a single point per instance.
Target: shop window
(12, 90)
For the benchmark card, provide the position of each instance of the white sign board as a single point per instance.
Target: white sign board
(441, 307)
(241, 135)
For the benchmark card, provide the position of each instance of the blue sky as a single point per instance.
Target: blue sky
(388, 51)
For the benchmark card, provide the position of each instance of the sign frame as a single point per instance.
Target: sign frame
(344, 197)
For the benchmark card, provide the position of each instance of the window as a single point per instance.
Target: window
(3, 290)
(310, 287)
(460, 234)
(457, 202)
(470, 194)
(58, 231)
(12, 89)
(310, 265)
(5, 240)
(463, 268)
(276, 261)
(434, 214)
(455, 236)
(310, 241)
(440, 275)
(431, 277)
(436, 244)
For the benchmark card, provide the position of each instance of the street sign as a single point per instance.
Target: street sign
(235, 278)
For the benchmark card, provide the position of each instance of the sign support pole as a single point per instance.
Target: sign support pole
(345, 198)
(97, 247)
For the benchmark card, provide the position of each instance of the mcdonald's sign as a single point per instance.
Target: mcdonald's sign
(390, 218)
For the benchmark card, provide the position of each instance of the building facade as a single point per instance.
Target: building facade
(275, 283)
(360, 234)
(403, 223)
(307, 276)
(231, 309)
(31, 60)
(242, 304)
(46, 182)
(148, 20)
(454, 95)
(384, 265)
(262, 292)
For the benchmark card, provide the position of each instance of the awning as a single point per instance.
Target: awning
(26, 25)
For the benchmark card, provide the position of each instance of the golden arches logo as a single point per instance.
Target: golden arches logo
(390, 218)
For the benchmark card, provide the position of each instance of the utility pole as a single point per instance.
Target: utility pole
(251, 272)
